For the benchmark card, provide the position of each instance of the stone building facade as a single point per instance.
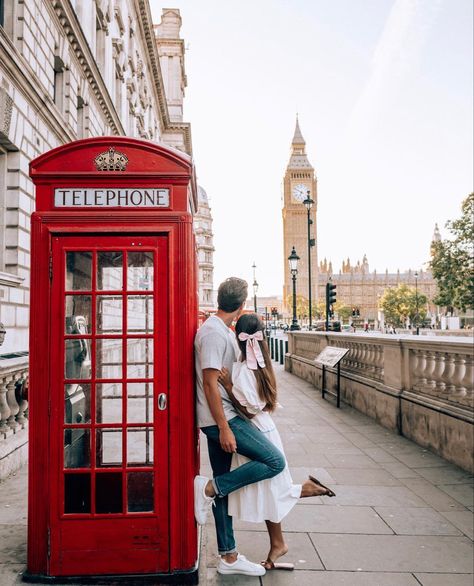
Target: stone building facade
(359, 288)
(298, 180)
(72, 69)
(205, 251)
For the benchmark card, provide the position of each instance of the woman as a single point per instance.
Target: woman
(252, 389)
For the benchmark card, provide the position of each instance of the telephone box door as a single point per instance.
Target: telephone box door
(109, 423)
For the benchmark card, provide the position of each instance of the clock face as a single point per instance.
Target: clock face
(300, 192)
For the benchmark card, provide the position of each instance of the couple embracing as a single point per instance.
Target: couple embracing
(236, 394)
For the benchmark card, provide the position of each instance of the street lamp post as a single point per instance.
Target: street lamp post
(308, 203)
(293, 260)
(416, 301)
(255, 288)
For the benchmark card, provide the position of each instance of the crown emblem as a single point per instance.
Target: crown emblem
(111, 160)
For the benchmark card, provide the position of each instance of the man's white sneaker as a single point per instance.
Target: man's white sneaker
(202, 502)
(240, 566)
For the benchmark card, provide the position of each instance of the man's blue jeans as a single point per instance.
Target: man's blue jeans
(266, 461)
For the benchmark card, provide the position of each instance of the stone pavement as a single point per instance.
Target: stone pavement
(402, 516)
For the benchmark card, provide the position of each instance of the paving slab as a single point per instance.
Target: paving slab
(463, 493)
(375, 496)
(463, 520)
(379, 455)
(255, 546)
(302, 578)
(10, 574)
(351, 460)
(423, 459)
(364, 477)
(12, 544)
(445, 579)
(399, 470)
(416, 521)
(432, 495)
(394, 553)
(445, 475)
(359, 440)
(321, 519)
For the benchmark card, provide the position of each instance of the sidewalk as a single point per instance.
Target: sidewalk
(402, 516)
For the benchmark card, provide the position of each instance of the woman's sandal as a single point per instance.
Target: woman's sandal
(268, 564)
(328, 492)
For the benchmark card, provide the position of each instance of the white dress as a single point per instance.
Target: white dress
(271, 499)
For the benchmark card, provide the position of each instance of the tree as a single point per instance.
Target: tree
(343, 311)
(452, 261)
(399, 305)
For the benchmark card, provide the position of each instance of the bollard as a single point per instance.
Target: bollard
(281, 352)
(286, 346)
(276, 350)
(271, 348)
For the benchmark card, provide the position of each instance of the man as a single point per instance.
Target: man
(226, 431)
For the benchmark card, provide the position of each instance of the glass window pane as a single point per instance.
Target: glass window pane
(109, 271)
(109, 402)
(140, 358)
(140, 314)
(77, 448)
(140, 446)
(108, 447)
(78, 314)
(140, 402)
(78, 271)
(109, 358)
(140, 491)
(109, 314)
(77, 493)
(77, 403)
(140, 271)
(77, 359)
(108, 493)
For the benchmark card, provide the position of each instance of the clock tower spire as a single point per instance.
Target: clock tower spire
(299, 179)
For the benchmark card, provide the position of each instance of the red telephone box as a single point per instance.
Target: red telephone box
(113, 442)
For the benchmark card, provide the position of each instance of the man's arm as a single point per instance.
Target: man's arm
(226, 437)
(226, 382)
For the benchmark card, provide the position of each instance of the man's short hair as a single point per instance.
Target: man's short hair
(231, 294)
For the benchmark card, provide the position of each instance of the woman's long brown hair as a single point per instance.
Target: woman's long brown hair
(266, 383)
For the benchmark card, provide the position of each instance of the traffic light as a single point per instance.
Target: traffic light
(330, 294)
(330, 300)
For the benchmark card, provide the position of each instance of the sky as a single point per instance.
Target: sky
(383, 91)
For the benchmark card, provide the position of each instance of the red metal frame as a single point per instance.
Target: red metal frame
(169, 232)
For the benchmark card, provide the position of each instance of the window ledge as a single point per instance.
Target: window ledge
(10, 280)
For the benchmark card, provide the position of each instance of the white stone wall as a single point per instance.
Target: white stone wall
(205, 248)
(68, 69)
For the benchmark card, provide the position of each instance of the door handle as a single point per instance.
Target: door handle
(162, 401)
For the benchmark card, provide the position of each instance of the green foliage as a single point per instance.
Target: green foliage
(452, 262)
(343, 311)
(399, 304)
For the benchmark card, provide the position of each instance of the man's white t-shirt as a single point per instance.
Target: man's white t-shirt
(215, 347)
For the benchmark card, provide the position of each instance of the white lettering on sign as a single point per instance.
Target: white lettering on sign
(113, 198)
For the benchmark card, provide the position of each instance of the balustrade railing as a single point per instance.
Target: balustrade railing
(13, 396)
(436, 367)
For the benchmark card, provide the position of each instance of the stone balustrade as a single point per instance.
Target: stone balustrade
(13, 413)
(421, 386)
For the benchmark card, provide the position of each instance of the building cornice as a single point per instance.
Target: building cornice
(72, 28)
(146, 26)
(23, 78)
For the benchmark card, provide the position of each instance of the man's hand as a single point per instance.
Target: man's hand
(225, 379)
(227, 440)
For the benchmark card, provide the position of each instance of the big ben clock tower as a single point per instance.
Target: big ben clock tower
(298, 181)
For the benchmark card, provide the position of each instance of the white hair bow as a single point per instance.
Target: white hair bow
(253, 351)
